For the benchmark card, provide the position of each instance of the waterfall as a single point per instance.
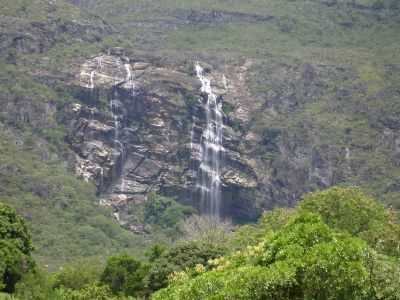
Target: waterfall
(117, 114)
(99, 61)
(91, 83)
(129, 78)
(208, 175)
(116, 108)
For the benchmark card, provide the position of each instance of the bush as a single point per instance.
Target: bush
(318, 251)
(15, 249)
(164, 211)
(178, 258)
(78, 275)
(349, 209)
(124, 275)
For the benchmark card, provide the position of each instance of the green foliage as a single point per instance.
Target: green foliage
(124, 275)
(346, 209)
(305, 260)
(14, 230)
(24, 88)
(328, 266)
(15, 248)
(250, 234)
(164, 211)
(227, 108)
(178, 258)
(301, 246)
(318, 250)
(35, 285)
(300, 254)
(35, 10)
(385, 277)
(155, 252)
(349, 209)
(77, 275)
(270, 137)
(91, 292)
(46, 193)
(7, 297)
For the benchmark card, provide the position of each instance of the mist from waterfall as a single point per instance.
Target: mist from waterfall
(208, 183)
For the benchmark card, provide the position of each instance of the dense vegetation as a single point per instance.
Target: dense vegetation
(15, 250)
(68, 221)
(335, 244)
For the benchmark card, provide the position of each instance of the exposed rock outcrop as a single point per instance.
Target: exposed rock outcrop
(132, 132)
(139, 125)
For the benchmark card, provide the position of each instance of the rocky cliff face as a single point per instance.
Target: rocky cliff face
(292, 122)
(138, 130)
(140, 123)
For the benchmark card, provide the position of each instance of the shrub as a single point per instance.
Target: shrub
(164, 211)
(124, 275)
(15, 249)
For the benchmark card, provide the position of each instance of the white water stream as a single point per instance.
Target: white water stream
(116, 108)
(91, 83)
(208, 175)
(129, 78)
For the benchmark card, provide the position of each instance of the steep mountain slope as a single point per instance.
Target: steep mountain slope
(63, 212)
(309, 89)
(314, 94)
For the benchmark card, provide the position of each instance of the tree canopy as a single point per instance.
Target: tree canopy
(323, 249)
(335, 244)
(15, 248)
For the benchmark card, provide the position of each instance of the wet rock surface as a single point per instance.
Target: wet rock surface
(140, 134)
(140, 131)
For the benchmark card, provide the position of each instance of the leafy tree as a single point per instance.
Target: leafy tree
(15, 248)
(91, 292)
(384, 280)
(124, 274)
(35, 285)
(304, 260)
(349, 209)
(178, 258)
(78, 274)
(337, 244)
(164, 211)
(155, 252)
(250, 234)
(207, 229)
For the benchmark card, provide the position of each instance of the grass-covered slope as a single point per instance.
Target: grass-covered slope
(257, 27)
(347, 113)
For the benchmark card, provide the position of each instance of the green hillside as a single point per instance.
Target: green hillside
(62, 211)
(353, 101)
(320, 80)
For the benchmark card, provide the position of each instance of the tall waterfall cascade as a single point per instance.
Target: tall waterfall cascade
(208, 181)
(116, 108)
